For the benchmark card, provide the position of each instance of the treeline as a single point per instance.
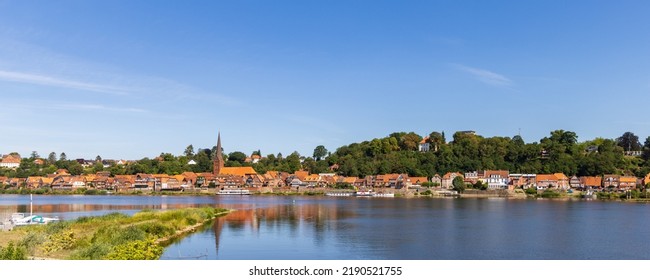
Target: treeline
(559, 152)
(396, 153)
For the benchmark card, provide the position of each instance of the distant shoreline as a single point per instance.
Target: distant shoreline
(468, 194)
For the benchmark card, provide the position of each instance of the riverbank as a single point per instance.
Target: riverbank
(401, 193)
(113, 236)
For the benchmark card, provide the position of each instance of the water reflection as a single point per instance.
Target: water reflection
(276, 227)
(294, 217)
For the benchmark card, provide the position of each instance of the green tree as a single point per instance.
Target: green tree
(293, 162)
(410, 141)
(629, 142)
(117, 170)
(564, 137)
(98, 159)
(189, 151)
(646, 149)
(52, 158)
(34, 155)
(436, 139)
(63, 157)
(203, 162)
(458, 184)
(75, 168)
(479, 185)
(98, 166)
(237, 156)
(320, 152)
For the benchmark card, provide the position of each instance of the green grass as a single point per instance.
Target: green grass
(111, 236)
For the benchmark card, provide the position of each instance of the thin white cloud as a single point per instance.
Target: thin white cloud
(29, 78)
(95, 107)
(485, 76)
(75, 107)
(35, 65)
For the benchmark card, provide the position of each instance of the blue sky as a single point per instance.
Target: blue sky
(132, 79)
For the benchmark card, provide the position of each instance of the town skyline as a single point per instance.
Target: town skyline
(125, 79)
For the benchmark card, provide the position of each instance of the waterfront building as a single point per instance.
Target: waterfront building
(627, 182)
(472, 177)
(593, 182)
(574, 182)
(556, 180)
(448, 179)
(415, 181)
(611, 180)
(523, 180)
(496, 179)
(436, 180)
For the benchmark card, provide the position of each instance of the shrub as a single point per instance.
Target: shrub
(32, 240)
(136, 250)
(550, 194)
(95, 251)
(532, 191)
(13, 252)
(53, 228)
(607, 195)
(91, 192)
(343, 186)
(156, 229)
(59, 241)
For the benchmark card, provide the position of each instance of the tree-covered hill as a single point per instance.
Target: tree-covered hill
(397, 153)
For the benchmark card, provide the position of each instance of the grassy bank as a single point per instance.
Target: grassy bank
(114, 236)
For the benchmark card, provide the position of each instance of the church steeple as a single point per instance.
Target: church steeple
(218, 158)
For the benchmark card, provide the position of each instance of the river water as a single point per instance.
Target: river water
(340, 228)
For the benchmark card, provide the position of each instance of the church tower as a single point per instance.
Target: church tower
(218, 158)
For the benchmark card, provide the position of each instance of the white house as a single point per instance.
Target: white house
(496, 179)
(10, 161)
(424, 145)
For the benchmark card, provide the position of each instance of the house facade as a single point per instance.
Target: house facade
(626, 182)
(496, 179)
(611, 180)
(448, 178)
(10, 161)
(591, 182)
(424, 145)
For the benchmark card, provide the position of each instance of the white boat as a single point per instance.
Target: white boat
(233, 192)
(338, 194)
(365, 193)
(19, 219)
(371, 193)
(384, 195)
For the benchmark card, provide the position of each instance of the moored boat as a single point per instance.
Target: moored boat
(233, 192)
(369, 193)
(19, 219)
(339, 194)
(384, 195)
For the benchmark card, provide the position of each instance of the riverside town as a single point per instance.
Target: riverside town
(402, 164)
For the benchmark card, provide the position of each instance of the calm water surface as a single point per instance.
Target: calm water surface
(277, 227)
